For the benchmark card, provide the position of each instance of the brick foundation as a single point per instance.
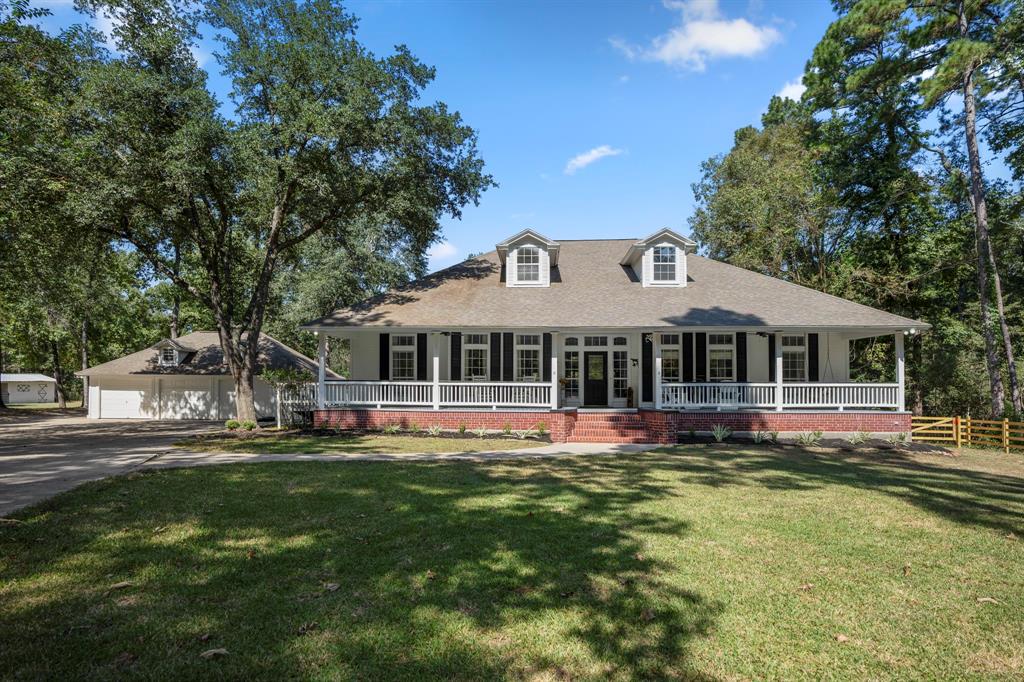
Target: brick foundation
(796, 422)
(647, 426)
(559, 424)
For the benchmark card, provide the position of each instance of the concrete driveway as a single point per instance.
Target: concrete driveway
(41, 455)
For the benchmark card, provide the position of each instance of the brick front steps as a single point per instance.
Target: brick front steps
(643, 426)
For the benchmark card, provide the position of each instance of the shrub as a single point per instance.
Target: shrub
(248, 425)
(523, 434)
(434, 430)
(807, 439)
(231, 424)
(390, 428)
(774, 436)
(542, 428)
(506, 428)
(414, 428)
(481, 432)
(859, 437)
(692, 433)
(720, 432)
(898, 439)
(759, 437)
(462, 428)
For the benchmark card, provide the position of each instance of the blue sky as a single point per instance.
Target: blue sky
(593, 117)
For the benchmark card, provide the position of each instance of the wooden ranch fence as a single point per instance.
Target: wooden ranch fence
(967, 431)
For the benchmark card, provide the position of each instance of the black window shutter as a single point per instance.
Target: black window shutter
(455, 341)
(421, 357)
(545, 362)
(506, 355)
(812, 357)
(385, 357)
(702, 357)
(771, 357)
(647, 379)
(495, 354)
(688, 357)
(741, 356)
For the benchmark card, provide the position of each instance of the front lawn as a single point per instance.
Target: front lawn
(726, 561)
(345, 442)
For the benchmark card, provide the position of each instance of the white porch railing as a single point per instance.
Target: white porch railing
(763, 396)
(840, 395)
(492, 394)
(730, 395)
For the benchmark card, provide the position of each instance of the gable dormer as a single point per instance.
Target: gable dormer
(170, 353)
(528, 258)
(660, 260)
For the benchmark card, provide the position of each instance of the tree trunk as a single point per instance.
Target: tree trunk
(2, 403)
(998, 394)
(176, 305)
(85, 362)
(1011, 363)
(58, 376)
(242, 366)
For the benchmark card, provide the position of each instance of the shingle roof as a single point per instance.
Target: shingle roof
(589, 288)
(26, 377)
(206, 358)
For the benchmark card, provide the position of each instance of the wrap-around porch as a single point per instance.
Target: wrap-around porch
(676, 369)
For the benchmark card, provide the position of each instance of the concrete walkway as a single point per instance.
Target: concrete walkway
(181, 458)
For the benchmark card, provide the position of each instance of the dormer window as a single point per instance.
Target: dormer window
(528, 264)
(664, 264)
(168, 356)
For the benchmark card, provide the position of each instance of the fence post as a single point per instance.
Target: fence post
(956, 432)
(1006, 435)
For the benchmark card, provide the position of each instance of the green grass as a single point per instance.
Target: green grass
(342, 442)
(719, 562)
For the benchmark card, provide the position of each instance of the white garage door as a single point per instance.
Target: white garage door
(126, 399)
(187, 398)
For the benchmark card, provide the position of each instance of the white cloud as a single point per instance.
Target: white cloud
(588, 157)
(703, 34)
(442, 251)
(793, 89)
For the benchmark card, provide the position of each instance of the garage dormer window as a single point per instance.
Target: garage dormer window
(664, 264)
(528, 264)
(168, 356)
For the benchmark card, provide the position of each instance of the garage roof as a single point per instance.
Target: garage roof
(204, 357)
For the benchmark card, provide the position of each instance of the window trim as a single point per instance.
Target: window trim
(518, 346)
(466, 347)
(520, 252)
(721, 346)
(674, 263)
(566, 378)
(802, 349)
(168, 361)
(402, 348)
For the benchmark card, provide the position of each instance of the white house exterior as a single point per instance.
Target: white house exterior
(183, 378)
(27, 388)
(645, 327)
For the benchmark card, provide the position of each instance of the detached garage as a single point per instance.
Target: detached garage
(184, 378)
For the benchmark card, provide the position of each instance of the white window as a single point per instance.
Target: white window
(403, 357)
(572, 341)
(168, 356)
(595, 340)
(572, 375)
(620, 374)
(476, 357)
(670, 364)
(528, 357)
(664, 263)
(621, 341)
(721, 357)
(528, 264)
(794, 357)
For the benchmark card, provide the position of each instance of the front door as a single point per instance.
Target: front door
(595, 383)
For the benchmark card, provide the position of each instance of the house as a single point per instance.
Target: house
(609, 340)
(184, 378)
(27, 388)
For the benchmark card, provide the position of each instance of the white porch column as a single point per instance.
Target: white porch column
(554, 371)
(436, 369)
(321, 370)
(901, 397)
(656, 340)
(779, 401)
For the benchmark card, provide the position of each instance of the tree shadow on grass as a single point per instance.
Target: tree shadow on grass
(945, 488)
(367, 570)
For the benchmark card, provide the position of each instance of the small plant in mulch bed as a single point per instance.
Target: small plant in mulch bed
(434, 430)
(759, 437)
(859, 438)
(480, 433)
(462, 428)
(391, 429)
(248, 425)
(720, 432)
(506, 429)
(808, 439)
(542, 429)
(232, 424)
